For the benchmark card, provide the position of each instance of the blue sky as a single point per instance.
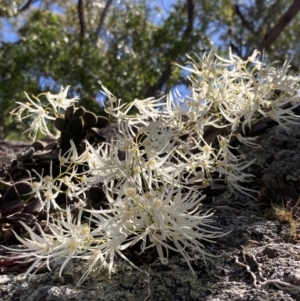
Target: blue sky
(8, 34)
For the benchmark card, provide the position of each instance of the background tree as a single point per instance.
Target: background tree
(130, 46)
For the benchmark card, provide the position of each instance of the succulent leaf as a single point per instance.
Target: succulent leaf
(60, 123)
(79, 112)
(90, 119)
(75, 126)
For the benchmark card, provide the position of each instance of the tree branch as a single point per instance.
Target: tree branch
(274, 33)
(190, 14)
(101, 21)
(80, 10)
(243, 19)
(168, 67)
(235, 49)
(26, 6)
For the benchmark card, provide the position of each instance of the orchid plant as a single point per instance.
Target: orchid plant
(170, 148)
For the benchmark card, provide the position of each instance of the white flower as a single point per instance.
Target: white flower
(46, 190)
(247, 140)
(104, 163)
(114, 107)
(71, 157)
(167, 217)
(234, 175)
(36, 111)
(65, 239)
(283, 117)
(60, 100)
(149, 107)
(148, 169)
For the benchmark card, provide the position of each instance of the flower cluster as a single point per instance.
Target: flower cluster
(39, 113)
(151, 167)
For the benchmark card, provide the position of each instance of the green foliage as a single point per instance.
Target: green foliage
(131, 47)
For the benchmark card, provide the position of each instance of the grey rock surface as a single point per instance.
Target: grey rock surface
(257, 261)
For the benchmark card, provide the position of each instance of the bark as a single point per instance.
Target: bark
(275, 32)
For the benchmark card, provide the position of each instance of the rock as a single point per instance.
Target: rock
(264, 245)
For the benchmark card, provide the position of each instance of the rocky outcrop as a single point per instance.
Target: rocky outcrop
(257, 260)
